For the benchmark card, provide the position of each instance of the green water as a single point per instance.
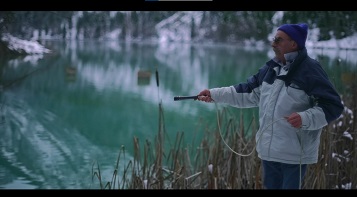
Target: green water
(85, 101)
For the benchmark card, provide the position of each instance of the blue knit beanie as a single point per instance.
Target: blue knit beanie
(297, 32)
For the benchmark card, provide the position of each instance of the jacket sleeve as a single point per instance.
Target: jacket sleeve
(242, 95)
(327, 104)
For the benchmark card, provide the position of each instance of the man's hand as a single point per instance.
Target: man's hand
(294, 119)
(205, 95)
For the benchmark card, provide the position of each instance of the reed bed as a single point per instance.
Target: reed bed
(226, 158)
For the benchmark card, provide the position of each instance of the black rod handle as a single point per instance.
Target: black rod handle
(177, 98)
(157, 78)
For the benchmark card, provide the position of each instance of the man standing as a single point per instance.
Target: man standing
(296, 100)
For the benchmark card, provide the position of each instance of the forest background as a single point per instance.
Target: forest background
(233, 27)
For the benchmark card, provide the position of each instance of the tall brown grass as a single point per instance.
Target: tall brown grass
(214, 166)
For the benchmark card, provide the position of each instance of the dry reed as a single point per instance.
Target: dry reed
(213, 166)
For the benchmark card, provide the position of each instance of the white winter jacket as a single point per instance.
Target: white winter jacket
(304, 88)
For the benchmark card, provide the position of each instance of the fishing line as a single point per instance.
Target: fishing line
(240, 154)
(178, 98)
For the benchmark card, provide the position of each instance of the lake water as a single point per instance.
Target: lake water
(85, 101)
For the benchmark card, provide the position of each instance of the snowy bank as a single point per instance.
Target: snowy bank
(23, 46)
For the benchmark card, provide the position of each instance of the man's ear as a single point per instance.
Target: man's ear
(295, 45)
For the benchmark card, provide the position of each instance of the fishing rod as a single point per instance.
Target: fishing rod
(178, 98)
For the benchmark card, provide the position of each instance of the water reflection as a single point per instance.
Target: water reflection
(84, 102)
(40, 150)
